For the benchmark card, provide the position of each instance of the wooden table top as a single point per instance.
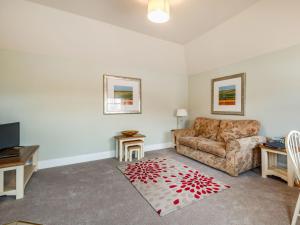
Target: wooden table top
(127, 137)
(25, 154)
(279, 150)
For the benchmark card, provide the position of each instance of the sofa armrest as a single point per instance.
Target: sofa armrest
(244, 144)
(243, 154)
(189, 132)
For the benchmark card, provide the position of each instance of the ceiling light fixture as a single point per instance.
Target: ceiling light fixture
(158, 11)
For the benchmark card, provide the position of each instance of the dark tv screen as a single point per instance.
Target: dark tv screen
(9, 135)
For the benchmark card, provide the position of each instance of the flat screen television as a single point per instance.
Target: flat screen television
(9, 135)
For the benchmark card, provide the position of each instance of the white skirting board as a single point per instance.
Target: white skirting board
(92, 157)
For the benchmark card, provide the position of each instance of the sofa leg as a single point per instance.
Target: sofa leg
(233, 173)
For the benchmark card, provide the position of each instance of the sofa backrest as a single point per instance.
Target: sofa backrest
(208, 128)
(235, 129)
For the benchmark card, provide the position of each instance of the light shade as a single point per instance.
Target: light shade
(181, 112)
(158, 11)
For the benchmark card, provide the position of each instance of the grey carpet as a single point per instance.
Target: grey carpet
(98, 193)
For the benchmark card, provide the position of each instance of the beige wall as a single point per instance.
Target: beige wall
(266, 26)
(52, 62)
(272, 91)
(51, 67)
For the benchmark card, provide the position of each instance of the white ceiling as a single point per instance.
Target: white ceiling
(189, 18)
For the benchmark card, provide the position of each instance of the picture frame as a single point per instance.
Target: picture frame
(228, 95)
(122, 95)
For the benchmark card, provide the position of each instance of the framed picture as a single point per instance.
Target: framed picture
(228, 95)
(122, 95)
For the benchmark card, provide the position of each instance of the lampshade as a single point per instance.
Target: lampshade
(158, 11)
(181, 112)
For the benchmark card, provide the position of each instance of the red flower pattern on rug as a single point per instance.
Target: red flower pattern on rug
(169, 185)
(196, 184)
(145, 171)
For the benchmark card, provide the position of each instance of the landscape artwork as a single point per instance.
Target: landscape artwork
(121, 95)
(228, 95)
(124, 94)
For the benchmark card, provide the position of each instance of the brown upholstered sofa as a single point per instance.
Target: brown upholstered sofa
(227, 145)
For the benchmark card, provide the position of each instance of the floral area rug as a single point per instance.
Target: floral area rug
(169, 185)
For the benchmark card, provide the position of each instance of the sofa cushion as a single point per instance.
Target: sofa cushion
(207, 128)
(205, 145)
(211, 146)
(189, 141)
(235, 129)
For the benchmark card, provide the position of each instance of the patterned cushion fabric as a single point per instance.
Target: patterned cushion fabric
(235, 129)
(188, 141)
(207, 128)
(205, 145)
(211, 146)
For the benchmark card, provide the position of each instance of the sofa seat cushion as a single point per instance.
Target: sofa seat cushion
(205, 145)
(207, 128)
(189, 141)
(210, 146)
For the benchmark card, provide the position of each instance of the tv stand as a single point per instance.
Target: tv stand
(15, 172)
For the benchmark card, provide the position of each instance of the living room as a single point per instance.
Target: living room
(59, 60)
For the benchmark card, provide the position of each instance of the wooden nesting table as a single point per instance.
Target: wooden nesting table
(120, 139)
(15, 172)
(269, 165)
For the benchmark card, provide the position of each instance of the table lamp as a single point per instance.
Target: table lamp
(180, 113)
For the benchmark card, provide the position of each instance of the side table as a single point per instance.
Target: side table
(173, 137)
(269, 164)
(15, 172)
(120, 139)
